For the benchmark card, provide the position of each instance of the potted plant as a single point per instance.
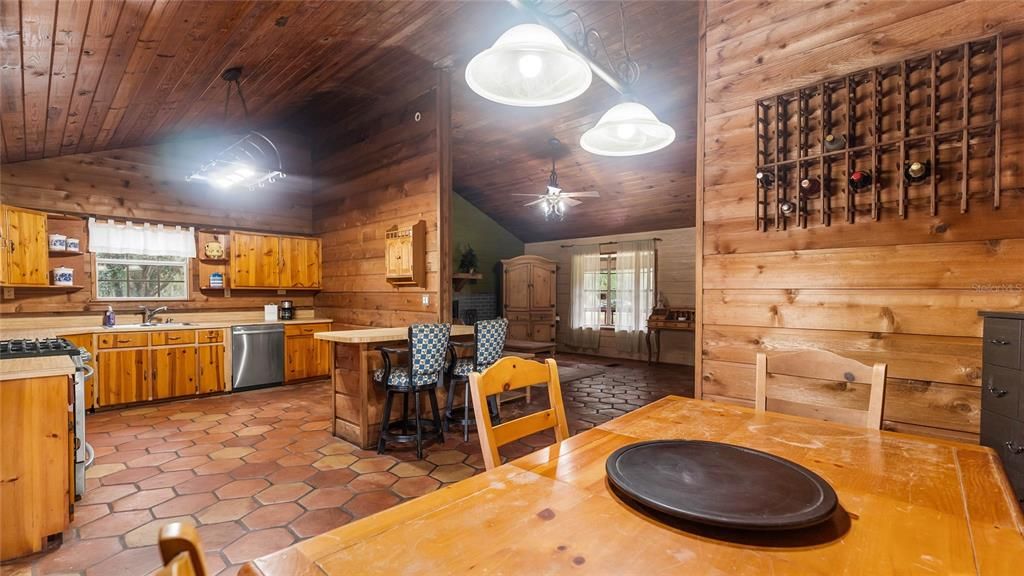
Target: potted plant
(468, 262)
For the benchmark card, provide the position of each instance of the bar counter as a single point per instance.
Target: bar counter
(358, 402)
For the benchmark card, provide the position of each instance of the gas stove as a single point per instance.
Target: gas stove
(29, 348)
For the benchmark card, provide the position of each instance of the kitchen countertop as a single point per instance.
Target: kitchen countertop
(378, 335)
(37, 367)
(66, 330)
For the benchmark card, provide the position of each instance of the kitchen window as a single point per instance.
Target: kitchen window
(139, 277)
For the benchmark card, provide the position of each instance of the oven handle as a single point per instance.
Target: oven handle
(89, 371)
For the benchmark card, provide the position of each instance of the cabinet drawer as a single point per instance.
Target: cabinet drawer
(1001, 390)
(305, 329)
(1002, 342)
(174, 337)
(125, 340)
(1005, 436)
(542, 316)
(209, 336)
(514, 316)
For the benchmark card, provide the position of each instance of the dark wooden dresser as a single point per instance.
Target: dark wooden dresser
(1002, 392)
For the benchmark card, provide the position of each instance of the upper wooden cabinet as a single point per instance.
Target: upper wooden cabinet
(25, 247)
(405, 255)
(300, 258)
(274, 262)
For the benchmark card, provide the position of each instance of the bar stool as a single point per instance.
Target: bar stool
(488, 345)
(428, 347)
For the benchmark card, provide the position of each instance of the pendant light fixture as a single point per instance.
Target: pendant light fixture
(253, 161)
(528, 66)
(539, 65)
(627, 129)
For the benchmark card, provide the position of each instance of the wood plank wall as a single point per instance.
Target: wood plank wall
(676, 271)
(147, 184)
(904, 292)
(377, 168)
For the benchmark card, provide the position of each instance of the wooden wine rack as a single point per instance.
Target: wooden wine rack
(942, 108)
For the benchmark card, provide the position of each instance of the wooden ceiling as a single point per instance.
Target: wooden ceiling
(87, 75)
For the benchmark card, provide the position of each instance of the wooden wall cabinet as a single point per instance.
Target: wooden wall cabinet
(528, 298)
(405, 255)
(274, 262)
(306, 357)
(24, 258)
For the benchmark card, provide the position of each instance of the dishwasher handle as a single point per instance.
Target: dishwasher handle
(245, 330)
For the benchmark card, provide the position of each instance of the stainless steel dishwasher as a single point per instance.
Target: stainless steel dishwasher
(257, 356)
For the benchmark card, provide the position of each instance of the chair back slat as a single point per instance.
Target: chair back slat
(509, 374)
(178, 540)
(827, 367)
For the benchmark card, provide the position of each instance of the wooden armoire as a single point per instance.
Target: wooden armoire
(528, 298)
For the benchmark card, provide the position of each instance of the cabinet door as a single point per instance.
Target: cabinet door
(519, 330)
(320, 364)
(122, 376)
(542, 331)
(542, 287)
(27, 247)
(174, 372)
(255, 260)
(300, 259)
(517, 287)
(210, 360)
(297, 357)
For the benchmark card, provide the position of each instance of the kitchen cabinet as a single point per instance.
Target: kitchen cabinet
(528, 298)
(300, 262)
(405, 255)
(255, 261)
(306, 357)
(122, 376)
(25, 247)
(36, 463)
(173, 372)
(274, 262)
(210, 363)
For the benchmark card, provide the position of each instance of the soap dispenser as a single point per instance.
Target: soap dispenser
(108, 318)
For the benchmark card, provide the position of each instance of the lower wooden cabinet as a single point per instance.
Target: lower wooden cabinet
(210, 360)
(306, 357)
(123, 376)
(173, 372)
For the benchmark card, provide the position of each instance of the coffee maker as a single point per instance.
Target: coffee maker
(286, 311)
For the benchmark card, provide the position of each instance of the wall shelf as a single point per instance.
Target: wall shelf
(66, 253)
(459, 279)
(8, 290)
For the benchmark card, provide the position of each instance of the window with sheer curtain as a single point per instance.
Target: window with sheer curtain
(141, 262)
(634, 292)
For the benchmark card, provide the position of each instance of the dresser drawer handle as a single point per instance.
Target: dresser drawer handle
(999, 342)
(173, 338)
(997, 392)
(123, 341)
(1013, 448)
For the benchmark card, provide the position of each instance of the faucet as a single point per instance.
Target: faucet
(149, 315)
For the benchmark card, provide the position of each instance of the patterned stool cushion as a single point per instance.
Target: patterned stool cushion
(428, 345)
(463, 366)
(490, 341)
(400, 377)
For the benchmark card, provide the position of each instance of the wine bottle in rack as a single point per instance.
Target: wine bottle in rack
(860, 180)
(764, 178)
(916, 172)
(787, 207)
(810, 187)
(834, 142)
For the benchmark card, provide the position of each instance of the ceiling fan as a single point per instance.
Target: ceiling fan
(554, 201)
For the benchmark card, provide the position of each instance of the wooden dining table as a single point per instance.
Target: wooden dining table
(907, 505)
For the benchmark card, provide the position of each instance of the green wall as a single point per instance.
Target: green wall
(491, 242)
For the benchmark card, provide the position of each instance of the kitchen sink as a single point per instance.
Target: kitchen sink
(153, 325)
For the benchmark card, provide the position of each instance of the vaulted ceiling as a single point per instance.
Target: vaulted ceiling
(80, 76)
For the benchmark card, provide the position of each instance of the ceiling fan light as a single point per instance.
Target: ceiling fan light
(627, 129)
(528, 66)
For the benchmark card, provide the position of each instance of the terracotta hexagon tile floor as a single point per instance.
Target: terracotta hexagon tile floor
(259, 470)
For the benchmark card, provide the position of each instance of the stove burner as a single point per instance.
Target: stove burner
(28, 348)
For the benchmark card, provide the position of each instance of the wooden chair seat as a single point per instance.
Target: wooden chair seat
(819, 367)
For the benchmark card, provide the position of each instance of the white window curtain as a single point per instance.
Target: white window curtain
(585, 298)
(147, 239)
(634, 292)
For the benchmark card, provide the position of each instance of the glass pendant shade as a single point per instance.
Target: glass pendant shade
(627, 129)
(528, 66)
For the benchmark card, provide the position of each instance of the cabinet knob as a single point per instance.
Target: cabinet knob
(997, 392)
(1013, 448)
(999, 342)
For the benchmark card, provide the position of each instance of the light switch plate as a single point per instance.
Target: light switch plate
(426, 300)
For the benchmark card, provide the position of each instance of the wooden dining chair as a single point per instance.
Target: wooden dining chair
(822, 365)
(505, 375)
(181, 552)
